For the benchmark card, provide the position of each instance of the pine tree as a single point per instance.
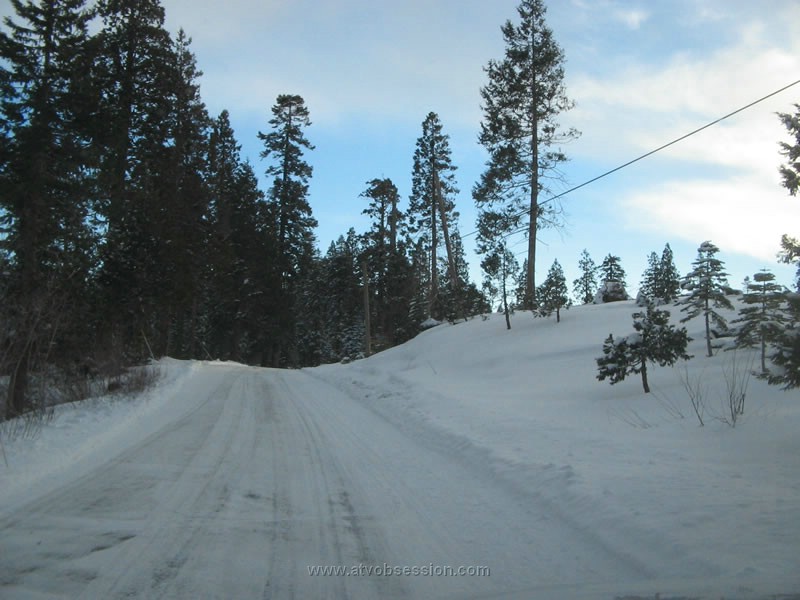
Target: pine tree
(553, 294)
(651, 280)
(287, 200)
(243, 287)
(182, 210)
(499, 264)
(611, 270)
(343, 308)
(288, 196)
(762, 319)
(521, 103)
(585, 286)
(431, 209)
(669, 279)
(46, 202)
(707, 284)
(388, 265)
(790, 172)
(654, 341)
(136, 78)
(785, 357)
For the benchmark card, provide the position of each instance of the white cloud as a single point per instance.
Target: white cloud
(739, 204)
(739, 214)
(349, 59)
(632, 18)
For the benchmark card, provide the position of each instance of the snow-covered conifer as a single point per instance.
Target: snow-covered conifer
(553, 294)
(611, 270)
(762, 319)
(707, 284)
(654, 340)
(669, 280)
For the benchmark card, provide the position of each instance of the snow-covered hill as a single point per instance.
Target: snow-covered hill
(635, 469)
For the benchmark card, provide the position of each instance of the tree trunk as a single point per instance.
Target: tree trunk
(533, 225)
(451, 263)
(505, 295)
(645, 385)
(434, 283)
(367, 332)
(18, 386)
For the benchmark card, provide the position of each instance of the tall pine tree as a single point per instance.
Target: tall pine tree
(135, 75)
(431, 209)
(46, 202)
(284, 147)
(522, 102)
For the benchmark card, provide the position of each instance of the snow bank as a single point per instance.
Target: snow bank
(84, 434)
(637, 470)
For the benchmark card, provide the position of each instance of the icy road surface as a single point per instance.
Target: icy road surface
(263, 475)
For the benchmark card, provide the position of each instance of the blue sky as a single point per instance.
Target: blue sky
(641, 73)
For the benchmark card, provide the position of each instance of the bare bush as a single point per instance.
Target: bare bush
(737, 380)
(737, 374)
(696, 391)
(137, 380)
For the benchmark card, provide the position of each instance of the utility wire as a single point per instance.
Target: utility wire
(659, 149)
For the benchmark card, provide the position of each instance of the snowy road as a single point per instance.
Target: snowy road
(267, 474)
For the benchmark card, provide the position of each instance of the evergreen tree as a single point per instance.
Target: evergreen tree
(431, 209)
(553, 294)
(522, 285)
(459, 298)
(388, 266)
(287, 200)
(243, 286)
(521, 103)
(669, 280)
(182, 209)
(499, 264)
(136, 77)
(654, 341)
(785, 357)
(343, 307)
(611, 270)
(790, 172)
(288, 196)
(661, 280)
(420, 267)
(585, 286)
(762, 319)
(651, 279)
(45, 203)
(707, 284)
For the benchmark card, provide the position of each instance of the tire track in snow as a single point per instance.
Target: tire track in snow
(621, 554)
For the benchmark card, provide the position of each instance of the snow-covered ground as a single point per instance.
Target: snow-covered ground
(469, 446)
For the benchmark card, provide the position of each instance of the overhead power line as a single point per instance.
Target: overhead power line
(659, 149)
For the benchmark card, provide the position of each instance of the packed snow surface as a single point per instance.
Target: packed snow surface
(470, 447)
